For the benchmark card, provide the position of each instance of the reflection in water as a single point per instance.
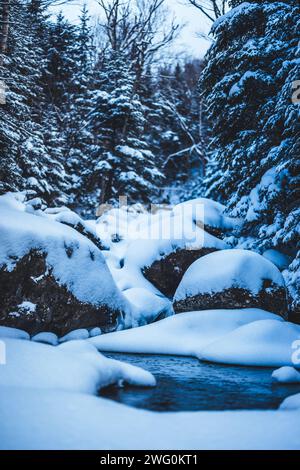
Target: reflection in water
(184, 383)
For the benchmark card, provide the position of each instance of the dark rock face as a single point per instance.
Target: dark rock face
(165, 274)
(57, 310)
(272, 298)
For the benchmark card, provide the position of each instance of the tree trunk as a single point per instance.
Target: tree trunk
(4, 26)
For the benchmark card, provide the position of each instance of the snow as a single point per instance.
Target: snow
(280, 260)
(184, 334)
(267, 343)
(147, 306)
(166, 235)
(222, 270)
(75, 261)
(230, 15)
(46, 338)
(291, 403)
(75, 366)
(208, 212)
(286, 375)
(61, 420)
(75, 335)
(8, 332)
(27, 306)
(95, 332)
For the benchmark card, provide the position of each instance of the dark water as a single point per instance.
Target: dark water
(185, 384)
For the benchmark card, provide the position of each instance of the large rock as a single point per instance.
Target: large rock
(232, 279)
(168, 248)
(52, 278)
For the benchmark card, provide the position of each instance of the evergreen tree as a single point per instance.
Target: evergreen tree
(255, 123)
(124, 165)
(24, 162)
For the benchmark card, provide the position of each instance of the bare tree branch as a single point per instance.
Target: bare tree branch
(212, 9)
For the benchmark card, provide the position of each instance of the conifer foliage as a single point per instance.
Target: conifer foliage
(254, 124)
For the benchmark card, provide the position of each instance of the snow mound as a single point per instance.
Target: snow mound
(286, 375)
(185, 334)
(280, 260)
(146, 306)
(46, 338)
(75, 335)
(208, 214)
(168, 234)
(75, 366)
(291, 403)
(267, 343)
(15, 333)
(222, 270)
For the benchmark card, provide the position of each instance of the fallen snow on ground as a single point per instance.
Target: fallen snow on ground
(147, 306)
(291, 403)
(286, 375)
(46, 338)
(75, 366)
(222, 270)
(259, 343)
(15, 333)
(183, 334)
(59, 420)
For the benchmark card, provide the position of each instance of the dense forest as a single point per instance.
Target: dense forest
(91, 113)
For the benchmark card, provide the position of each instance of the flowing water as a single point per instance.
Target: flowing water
(185, 384)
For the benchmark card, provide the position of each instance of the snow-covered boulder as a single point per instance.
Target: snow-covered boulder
(167, 248)
(208, 214)
(147, 307)
(51, 277)
(232, 279)
(73, 220)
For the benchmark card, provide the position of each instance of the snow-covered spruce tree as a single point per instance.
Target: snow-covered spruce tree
(59, 85)
(254, 122)
(124, 165)
(24, 162)
(79, 138)
(181, 141)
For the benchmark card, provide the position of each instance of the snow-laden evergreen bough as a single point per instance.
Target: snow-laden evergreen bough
(254, 122)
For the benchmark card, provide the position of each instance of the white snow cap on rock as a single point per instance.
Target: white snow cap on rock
(222, 270)
(207, 212)
(167, 235)
(286, 375)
